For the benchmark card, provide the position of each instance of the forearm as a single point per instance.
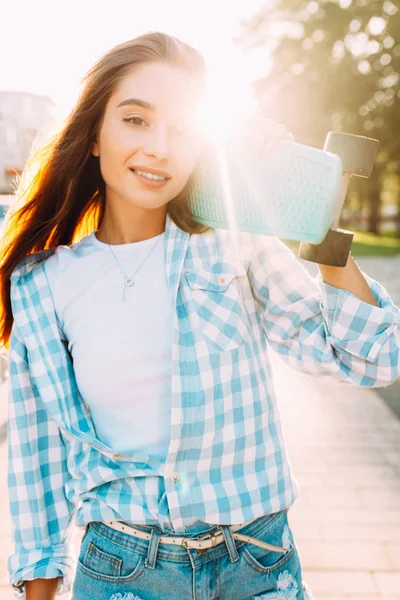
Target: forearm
(41, 589)
(348, 278)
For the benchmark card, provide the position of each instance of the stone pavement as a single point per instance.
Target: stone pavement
(344, 447)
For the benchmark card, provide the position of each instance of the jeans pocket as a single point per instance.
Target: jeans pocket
(102, 559)
(277, 533)
(101, 562)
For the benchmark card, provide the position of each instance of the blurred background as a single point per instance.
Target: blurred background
(315, 66)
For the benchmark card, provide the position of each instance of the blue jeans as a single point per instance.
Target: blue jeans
(113, 565)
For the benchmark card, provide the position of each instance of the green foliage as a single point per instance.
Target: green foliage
(336, 66)
(366, 244)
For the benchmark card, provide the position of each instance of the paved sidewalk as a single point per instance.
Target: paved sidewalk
(344, 447)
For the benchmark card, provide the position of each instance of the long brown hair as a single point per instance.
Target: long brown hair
(61, 193)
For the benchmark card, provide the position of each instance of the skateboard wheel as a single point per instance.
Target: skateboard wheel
(357, 152)
(334, 249)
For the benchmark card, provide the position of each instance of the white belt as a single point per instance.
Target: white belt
(207, 540)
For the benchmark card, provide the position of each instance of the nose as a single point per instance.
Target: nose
(157, 142)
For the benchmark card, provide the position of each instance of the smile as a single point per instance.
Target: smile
(150, 175)
(150, 180)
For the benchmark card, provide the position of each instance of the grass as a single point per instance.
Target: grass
(367, 244)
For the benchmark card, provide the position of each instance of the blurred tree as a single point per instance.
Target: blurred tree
(335, 66)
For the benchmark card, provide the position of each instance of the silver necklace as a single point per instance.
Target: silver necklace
(129, 281)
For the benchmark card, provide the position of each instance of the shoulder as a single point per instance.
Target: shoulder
(64, 258)
(52, 259)
(244, 246)
(67, 260)
(221, 242)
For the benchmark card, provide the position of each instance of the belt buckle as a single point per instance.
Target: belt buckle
(202, 537)
(199, 550)
(185, 541)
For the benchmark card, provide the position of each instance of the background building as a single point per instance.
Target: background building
(22, 116)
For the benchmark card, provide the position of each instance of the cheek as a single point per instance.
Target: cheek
(117, 141)
(115, 150)
(184, 172)
(187, 159)
(108, 163)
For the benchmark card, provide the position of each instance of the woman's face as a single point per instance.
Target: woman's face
(149, 127)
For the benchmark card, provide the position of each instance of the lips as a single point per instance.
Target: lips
(151, 171)
(149, 181)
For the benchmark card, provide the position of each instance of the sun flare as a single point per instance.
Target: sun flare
(227, 99)
(226, 103)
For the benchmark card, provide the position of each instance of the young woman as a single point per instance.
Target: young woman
(141, 401)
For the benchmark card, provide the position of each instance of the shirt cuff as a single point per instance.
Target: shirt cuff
(356, 326)
(46, 569)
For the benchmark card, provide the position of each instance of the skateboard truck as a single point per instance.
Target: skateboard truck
(358, 155)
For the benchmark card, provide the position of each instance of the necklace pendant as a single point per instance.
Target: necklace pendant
(129, 280)
(128, 283)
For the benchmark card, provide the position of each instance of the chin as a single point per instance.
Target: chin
(149, 202)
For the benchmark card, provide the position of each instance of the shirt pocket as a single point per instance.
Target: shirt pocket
(218, 308)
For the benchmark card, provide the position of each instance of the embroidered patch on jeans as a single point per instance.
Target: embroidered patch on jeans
(287, 588)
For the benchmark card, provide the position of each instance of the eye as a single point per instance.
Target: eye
(135, 120)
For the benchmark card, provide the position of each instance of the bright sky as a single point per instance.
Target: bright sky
(46, 46)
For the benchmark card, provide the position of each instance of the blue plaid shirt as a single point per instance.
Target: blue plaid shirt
(234, 297)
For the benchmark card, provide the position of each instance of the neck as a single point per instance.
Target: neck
(142, 224)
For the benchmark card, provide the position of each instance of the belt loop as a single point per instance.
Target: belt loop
(230, 542)
(152, 549)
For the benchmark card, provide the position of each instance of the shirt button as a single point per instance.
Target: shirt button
(87, 407)
(116, 456)
(175, 476)
(221, 279)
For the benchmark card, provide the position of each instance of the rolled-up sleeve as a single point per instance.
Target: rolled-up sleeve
(41, 514)
(320, 329)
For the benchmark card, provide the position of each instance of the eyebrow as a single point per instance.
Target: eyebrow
(138, 102)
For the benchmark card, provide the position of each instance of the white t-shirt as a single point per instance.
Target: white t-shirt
(121, 351)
